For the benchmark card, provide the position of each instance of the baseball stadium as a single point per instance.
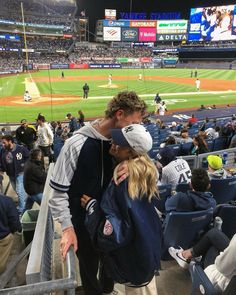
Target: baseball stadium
(117, 148)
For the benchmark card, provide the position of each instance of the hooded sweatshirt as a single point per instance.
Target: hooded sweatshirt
(190, 201)
(84, 166)
(218, 174)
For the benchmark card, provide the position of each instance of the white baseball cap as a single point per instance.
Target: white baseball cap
(135, 136)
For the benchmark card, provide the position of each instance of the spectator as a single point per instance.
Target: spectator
(112, 224)
(219, 257)
(196, 200)
(184, 137)
(199, 146)
(168, 141)
(173, 170)
(73, 126)
(84, 166)
(213, 133)
(9, 224)
(26, 134)
(12, 161)
(192, 120)
(81, 118)
(215, 168)
(233, 139)
(34, 178)
(45, 137)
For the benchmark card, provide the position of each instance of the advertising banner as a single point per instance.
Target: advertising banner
(212, 23)
(147, 34)
(171, 37)
(10, 37)
(59, 66)
(110, 13)
(145, 59)
(112, 34)
(78, 66)
(129, 34)
(105, 66)
(172, 26)
(116, 23)
(41, 66)
(143, 24)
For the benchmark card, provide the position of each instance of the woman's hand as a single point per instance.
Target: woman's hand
(84, 200)
(122, 173)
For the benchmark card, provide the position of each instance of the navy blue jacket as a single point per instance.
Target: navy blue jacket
(20, 156)
(9, 218)
(129, 234)
(190, 201)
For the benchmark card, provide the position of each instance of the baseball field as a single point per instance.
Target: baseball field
(55, 96)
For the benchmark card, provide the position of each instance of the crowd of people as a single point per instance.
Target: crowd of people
(105, 194)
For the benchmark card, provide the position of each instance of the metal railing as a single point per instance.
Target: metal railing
(198, 161)
(39, 268)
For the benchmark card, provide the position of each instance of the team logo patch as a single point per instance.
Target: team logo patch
(108, 228)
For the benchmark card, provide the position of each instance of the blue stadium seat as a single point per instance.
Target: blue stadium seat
(223, 190)
(185, 148)
(202, 285)
(183, 187)
(164, 193)
(153, 153)
(210, 144)
(220, 143)
(200, 282)
(176, 148)
(227, 213)
(184, 228)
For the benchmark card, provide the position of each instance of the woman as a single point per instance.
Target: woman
(219, 257)
(126, 226)
(199, 146)
(34, 178)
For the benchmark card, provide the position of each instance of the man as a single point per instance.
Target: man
(81, 118)
(9, 224)
(45, 137)
(196, 200)
(62, 75)
(85, 167)
(140, 77)
(162, 109)
(86, 90)
(73, 126)
(184, 137)
(26, 135)
(157, 101)
(110, 80)
(173, 170)
(192, 120)
(27, 96)
(198, 83)
(215, 168)
(12, 161)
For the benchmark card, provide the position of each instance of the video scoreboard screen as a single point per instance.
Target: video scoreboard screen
(216, 23)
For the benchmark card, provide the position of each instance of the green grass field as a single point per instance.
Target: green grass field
(175, 94)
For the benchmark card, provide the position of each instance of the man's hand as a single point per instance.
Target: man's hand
(122, 173)
(84, 200)
(68, 238)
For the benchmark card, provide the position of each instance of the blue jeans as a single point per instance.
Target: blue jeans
(18, 186)
(33, 198)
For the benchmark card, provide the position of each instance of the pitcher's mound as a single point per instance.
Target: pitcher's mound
(109, 86)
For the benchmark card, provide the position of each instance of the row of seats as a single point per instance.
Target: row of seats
(184, 149)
